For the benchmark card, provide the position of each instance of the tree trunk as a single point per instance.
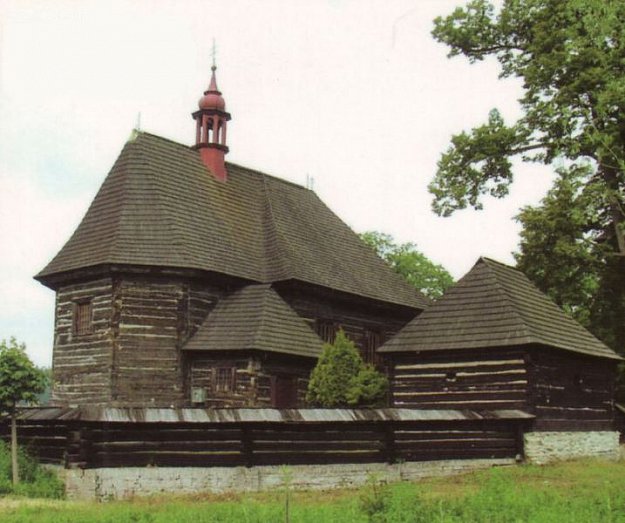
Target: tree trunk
(14, 466)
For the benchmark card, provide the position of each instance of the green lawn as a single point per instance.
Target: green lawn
(583, 491)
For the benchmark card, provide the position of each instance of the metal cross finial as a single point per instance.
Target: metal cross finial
(214, 55)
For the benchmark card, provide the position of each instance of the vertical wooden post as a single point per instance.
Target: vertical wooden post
(14, 465)
(247, 446)
(389, 450)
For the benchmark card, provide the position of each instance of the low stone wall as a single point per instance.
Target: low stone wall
(545, 447)
(117, 483)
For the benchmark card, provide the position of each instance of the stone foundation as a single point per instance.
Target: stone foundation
(118, 483)
(545, 447)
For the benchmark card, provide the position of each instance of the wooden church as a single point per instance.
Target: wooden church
(195, 282)
(195, 291)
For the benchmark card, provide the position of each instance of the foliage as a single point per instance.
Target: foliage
(577, 492)
(570, 55)
(374, 499)
(36, 481)
(426, 276)
(20, 380)
(565, 254)
(342, 379)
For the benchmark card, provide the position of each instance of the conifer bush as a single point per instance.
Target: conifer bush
(342, 379)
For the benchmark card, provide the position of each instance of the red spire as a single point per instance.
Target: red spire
(210, 133)
(212, 98)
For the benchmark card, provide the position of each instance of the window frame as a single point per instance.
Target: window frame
(82, 317)
(224, 379)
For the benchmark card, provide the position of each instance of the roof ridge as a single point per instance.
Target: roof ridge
(250, 170)
(181, 245)
(509, 298)
(131, 146)
(261, 316)
(139, 133)
(285, 259)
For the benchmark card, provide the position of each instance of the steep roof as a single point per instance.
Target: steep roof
(159, 206)
(494, 305)
(256, 318)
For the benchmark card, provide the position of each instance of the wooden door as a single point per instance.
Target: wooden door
(284, 392)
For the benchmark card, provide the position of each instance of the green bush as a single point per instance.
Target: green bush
(342, 379)
(35, 481)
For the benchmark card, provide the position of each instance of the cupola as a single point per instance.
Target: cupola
(210, 132)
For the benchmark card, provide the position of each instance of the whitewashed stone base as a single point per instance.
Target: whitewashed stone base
(546, 447)
(118, 483)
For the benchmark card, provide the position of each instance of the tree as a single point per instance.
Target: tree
(558, 249)
(570, 55)
(20, 382)
(564, 252)
(341, 378)
(423, 274)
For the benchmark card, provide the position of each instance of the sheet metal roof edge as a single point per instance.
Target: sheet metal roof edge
(261, 415)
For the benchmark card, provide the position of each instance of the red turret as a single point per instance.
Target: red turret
(210, 134)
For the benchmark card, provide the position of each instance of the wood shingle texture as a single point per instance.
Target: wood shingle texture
(256, 318)
(494, 305)
(159, 206)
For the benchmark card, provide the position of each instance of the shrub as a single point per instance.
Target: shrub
(342, 379)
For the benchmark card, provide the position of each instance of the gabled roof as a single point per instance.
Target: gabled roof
(255, 318)
(494, 305)
(159, 206)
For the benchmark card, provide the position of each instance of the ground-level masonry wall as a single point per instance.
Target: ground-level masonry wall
(117, 483)
(545, 447)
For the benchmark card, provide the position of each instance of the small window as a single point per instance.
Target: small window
(225, 379)
(326, 329)
(82, 317)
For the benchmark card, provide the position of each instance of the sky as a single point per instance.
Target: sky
(355, 94)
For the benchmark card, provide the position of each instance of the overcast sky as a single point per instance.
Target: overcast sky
(353, 93)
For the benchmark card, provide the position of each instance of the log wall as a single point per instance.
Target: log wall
(476, 379)
(100, 444)
(253, 380)
(81, 363)
(360, 319)
(571, 391)
(131, 353)
(155, 319)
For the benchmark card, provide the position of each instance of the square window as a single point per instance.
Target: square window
(225, 379)
(82, 317)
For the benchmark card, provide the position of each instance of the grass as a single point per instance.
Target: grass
(583, 491)
(35, 480)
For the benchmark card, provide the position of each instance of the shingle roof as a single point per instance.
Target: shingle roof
(494, 305)
(159, 206)
(256, 318)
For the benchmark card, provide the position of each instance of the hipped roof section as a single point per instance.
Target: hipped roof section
(256, 318)
(159, 206)
(494, 305)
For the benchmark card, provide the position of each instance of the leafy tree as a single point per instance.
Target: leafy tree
(570, 55)
(20, 382)
(423, 274)
(564, 252)
(341, 378)
(559, 250)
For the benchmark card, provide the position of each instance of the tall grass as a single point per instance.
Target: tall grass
(35, 480)
(573, 492)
